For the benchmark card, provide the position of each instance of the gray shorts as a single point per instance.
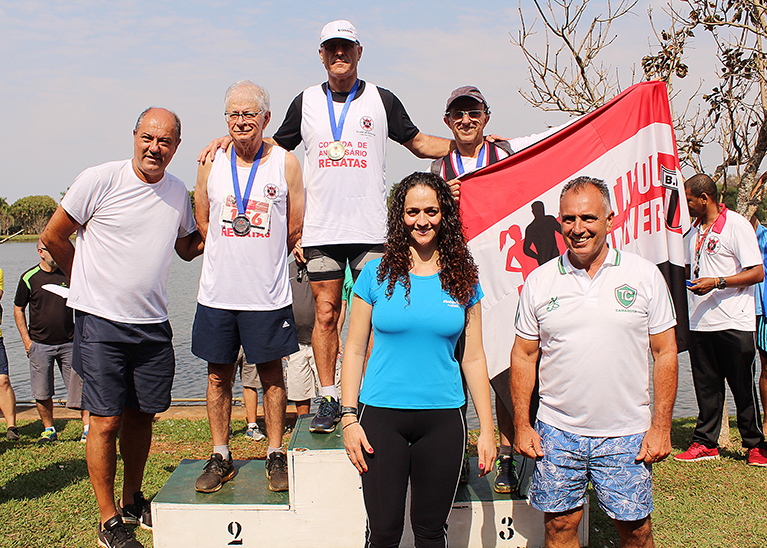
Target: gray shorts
(302, 381)
(328, 262)
(248, 372)
(42, 359)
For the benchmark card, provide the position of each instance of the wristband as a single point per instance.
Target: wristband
(348, 411)
(345, 425)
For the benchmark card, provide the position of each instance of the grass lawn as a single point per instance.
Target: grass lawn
(46, 498)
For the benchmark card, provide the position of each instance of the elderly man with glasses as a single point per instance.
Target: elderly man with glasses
(249, 209)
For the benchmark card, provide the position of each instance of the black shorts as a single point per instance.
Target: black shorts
(328, 262)
(264, 335)
(123, 365)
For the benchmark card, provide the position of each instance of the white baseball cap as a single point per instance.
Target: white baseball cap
(339, 29)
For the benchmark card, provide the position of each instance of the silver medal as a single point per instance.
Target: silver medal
(241, 225)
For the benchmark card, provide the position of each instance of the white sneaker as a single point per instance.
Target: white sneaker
(254, 433)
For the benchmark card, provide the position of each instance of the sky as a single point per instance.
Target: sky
(76, 74)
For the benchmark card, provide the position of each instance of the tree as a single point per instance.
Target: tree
(6, 220)
(566, 77)
(32, 213)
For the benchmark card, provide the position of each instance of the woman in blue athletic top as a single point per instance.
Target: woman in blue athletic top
(417, 299)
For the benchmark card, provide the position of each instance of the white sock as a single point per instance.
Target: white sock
(222, 450)
(52, 429)
(271, 450)
(252, 425)
(329, 391)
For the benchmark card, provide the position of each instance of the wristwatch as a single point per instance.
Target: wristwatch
(348, 411)
(721, 283)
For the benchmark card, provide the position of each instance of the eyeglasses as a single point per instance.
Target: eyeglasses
(456, 115)
(246, 116)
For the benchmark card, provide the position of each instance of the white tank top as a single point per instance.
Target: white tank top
(247, 272)
(345, 199)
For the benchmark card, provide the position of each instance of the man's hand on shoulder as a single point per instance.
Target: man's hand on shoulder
(656, 445)
(213, 146)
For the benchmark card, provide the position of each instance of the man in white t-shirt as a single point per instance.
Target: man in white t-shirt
(593, 315)
(723, 263)
(130, 216)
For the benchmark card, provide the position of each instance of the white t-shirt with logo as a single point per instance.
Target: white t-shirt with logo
(247, 272)
(345, 199)
(125, 242)
(594, 337)
(729, 248)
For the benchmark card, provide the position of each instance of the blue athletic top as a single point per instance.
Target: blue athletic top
(413, 365)
(760, 296)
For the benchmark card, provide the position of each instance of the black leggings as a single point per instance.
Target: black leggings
(424, 446)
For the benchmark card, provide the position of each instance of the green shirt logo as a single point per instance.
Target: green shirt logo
(626, 295)
(553, 304)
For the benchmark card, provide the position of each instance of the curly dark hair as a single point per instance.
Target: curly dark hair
(458, 271)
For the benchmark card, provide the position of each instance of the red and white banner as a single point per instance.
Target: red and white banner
(509, 208)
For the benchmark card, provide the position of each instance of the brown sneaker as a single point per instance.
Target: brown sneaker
(277, 471)
(217, 471)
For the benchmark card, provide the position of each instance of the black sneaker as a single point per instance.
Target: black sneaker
(138, 513)
(506, 479)
(277, 471)
(12, 433)
(216, 472)
(115, 535)
(328, 415)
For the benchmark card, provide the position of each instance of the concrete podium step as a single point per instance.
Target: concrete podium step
(323, 507)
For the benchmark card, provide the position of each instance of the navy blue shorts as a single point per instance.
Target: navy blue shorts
(123, 365)
(264, 335)
(3, 359)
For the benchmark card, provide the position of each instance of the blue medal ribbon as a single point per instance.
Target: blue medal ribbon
(338, 129)
(459, 162)
(242, 201)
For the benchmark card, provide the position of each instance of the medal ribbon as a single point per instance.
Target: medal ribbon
(242, 201)
(339, 128)
(699, 244)
(480, 158)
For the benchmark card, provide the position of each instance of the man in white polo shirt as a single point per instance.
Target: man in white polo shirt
(592, 315)
(724, 263)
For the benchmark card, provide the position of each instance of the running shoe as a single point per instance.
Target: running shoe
(254, 433)
(698, 452)
(12, 433)
(138, 513)
(328, 415)
(277, 471)
(506, 479)
(115, 535)
(48, 436)
(217, 471)
(757, 456)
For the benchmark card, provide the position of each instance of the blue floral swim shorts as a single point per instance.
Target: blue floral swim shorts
(623, 486)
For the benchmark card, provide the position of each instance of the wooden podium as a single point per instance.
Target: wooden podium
(324, 508)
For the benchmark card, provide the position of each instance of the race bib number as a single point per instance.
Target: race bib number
(258, 213)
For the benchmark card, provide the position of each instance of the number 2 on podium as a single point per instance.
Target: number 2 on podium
(235, 529)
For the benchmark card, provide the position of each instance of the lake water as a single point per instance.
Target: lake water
(191, 378)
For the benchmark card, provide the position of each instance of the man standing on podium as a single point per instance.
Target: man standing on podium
(249, 209)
